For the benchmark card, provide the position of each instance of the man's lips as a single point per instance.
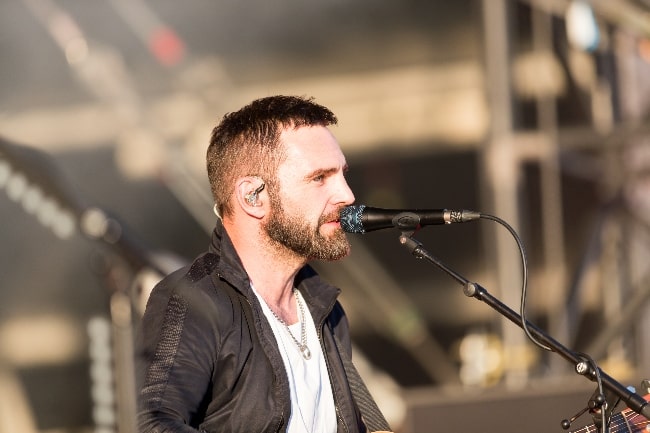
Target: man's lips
(333, 224)
(333, 218)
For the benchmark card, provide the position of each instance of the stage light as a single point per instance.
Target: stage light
(5, 173)
(16, 186)
(581, 26)
(23, 190)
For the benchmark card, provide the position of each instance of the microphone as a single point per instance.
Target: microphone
(362, 219)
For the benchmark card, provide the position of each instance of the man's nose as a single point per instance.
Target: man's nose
(345, 194)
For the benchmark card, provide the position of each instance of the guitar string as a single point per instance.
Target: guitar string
(616, 424)
(627, 423)
(633, 417)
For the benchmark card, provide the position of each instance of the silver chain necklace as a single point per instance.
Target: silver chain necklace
(302, 344)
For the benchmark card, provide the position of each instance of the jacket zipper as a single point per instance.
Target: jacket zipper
(319, 332)
(277, 427)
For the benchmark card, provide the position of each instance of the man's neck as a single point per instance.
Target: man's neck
(271, 268)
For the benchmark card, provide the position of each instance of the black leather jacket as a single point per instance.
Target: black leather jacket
(207, 357)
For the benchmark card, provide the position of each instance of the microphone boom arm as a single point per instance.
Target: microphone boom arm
(471, 289)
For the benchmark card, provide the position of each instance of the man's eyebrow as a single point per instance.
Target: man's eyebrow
(325, 172)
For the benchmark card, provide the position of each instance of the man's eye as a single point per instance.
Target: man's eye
(319, 178)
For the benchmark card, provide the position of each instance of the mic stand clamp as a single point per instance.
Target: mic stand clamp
(597, 405)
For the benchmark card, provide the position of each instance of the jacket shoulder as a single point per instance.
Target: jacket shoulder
(196, 287)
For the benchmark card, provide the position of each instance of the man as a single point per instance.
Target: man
(248, 338)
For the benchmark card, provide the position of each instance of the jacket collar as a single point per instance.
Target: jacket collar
(230, 266)
(319, 295)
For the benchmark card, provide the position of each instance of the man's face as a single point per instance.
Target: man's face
(312, 190)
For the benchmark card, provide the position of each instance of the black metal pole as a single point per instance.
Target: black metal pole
(471, 289)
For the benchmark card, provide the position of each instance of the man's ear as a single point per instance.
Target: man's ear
(250, 197)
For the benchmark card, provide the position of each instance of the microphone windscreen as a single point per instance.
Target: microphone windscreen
(351, 219)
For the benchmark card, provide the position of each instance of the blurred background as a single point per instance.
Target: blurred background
(532, 111)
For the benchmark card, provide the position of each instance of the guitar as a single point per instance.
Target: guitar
(626, 421)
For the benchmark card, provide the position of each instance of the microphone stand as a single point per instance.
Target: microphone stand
(587, 369)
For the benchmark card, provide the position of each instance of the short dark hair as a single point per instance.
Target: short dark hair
(246, 142)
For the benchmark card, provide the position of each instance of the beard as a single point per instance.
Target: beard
(295, 234)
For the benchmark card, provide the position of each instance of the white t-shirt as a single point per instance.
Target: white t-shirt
(312, 402)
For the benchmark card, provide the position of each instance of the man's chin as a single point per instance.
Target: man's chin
(332, 258)
(337, 250)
